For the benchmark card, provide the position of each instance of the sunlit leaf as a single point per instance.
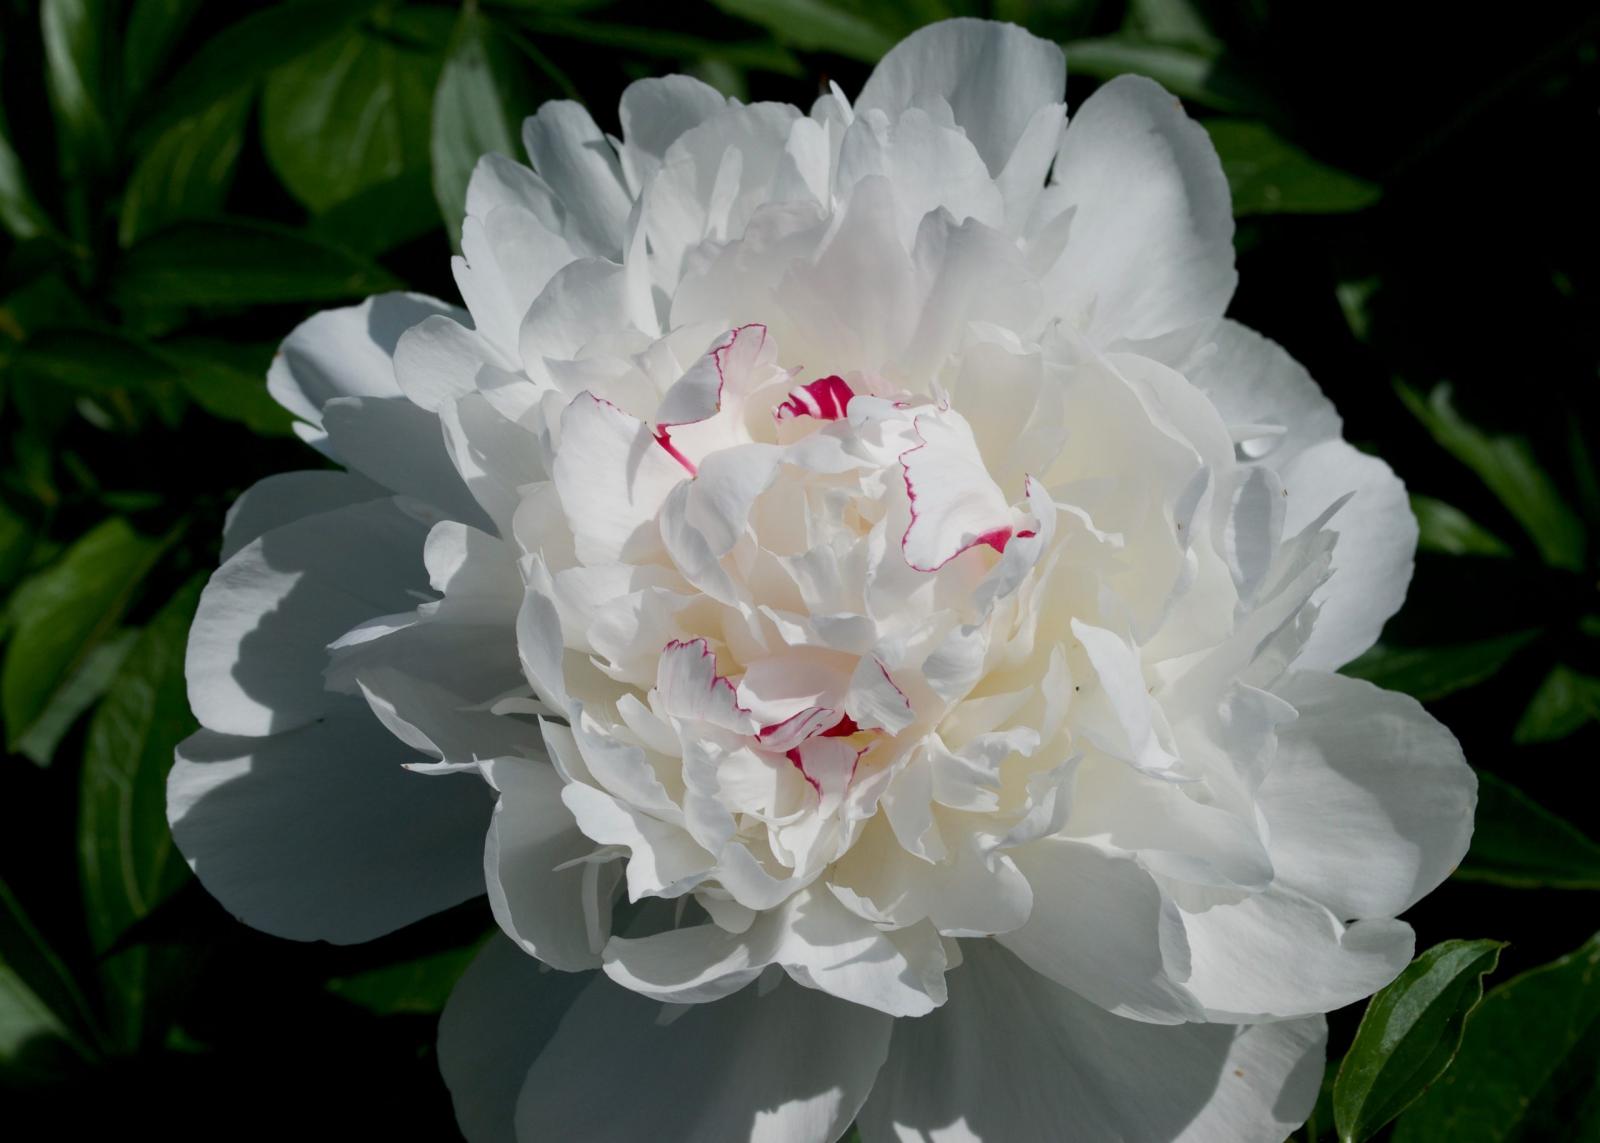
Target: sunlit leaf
(1429, 673)
(818, 25)
(20, 214)
(1409, 1034)
(483, 96)
(354, 111)
(1176, 22)
(41, 1006)
(75, 696)
(239, 262)
(75, 34)
(1507, 465)
(1519, 843)
(1563, 703)
(186, 172)
(63, 612)
(1270, 176)
(1527, 1068)
(1445, 528)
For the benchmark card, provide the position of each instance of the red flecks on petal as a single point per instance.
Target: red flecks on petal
(793, 755)
(844, 728)
(826, 399)
(996, 538)
(798, 727)
(718, 682)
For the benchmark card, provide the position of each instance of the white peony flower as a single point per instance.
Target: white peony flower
(857, 541)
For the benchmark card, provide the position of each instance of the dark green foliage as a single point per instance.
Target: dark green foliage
(181, 182)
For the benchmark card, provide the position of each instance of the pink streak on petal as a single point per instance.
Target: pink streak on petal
(717, 681)
(664, 439)
(793, 755)
(825, 399)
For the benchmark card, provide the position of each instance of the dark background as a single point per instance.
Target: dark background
(182, 182)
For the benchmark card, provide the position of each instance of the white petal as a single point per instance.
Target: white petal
(402, 447)
(1279, 954)
(954, 503)
(501, 1014)
(321, 833)
(1109, 1080)
(818, 942)
(787, 1066)
(663, 860)
(992, 77)
(285, 497)
(1102, 928)
(259, 642)
(1151, 243)
(612, 476)
(345, 353)
(438, 360)
(1252, 380)
(577, 161)
(654, 113)
(1369, 802)
(1372, 562)
(560, 915)
(689, 687)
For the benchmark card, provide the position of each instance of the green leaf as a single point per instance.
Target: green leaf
(187, 171)
(73, 32)
(125, 852)
(1202, 77)
(421, 985)
(32, 1037)
(41, 1005)
(383, 216)
(77, 695)
(229, 381)
(1270, 176)
(1527, 1065)
(352, 112)
(1429, 673)
(1508, 467)
(244, 52)
(1174, 22)
(817, 25)
(479, 107)
(19, 212)
(655, 43)
(125, 849)
(63, 612)
(16, 546)
(239, 263)
(90, 361)
(1445, 528)
(1562, 704)
(1518, 843)
(1409, 1034)
(154, 29)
